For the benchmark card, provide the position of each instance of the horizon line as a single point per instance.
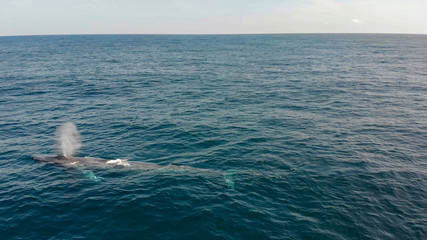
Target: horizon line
(206, 34)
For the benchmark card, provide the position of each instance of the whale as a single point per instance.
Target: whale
(68, 143)
(85, 163)
(93, 162)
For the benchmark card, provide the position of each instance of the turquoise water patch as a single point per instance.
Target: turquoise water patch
(228, 177)
(91, 175)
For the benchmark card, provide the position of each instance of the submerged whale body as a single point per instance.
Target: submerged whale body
(76, 162)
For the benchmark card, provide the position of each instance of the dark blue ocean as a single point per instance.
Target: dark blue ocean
(323, 136)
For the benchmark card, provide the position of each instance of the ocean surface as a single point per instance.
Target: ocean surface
(306, 136)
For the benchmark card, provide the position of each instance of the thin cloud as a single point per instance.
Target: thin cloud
(357, 21)
(338, 16)
(21, 3)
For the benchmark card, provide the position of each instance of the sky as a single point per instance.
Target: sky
(43, 17)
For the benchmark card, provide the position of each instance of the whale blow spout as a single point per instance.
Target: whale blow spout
(68, 140)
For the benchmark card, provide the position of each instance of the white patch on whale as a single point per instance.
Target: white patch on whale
(119, 162)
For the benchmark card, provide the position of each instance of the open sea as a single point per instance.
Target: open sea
(308, 136)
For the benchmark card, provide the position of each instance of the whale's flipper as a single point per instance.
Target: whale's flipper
(91, 175)
(228, 177)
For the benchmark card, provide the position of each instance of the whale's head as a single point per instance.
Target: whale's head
(51, 159)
